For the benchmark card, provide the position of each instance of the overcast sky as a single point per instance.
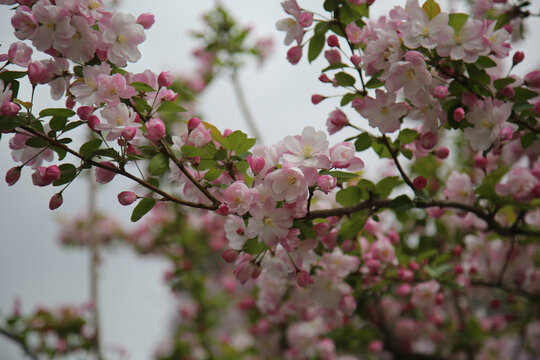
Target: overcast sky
(136, 306)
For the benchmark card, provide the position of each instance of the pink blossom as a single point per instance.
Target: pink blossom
(336, 121)
(239, 198)
(489, 117)
(111, 88)
(235, 232)
(155, 129)
(20, 54)
(44, 176)
(519, 185)
(459, 188)
(5, 94)
(326, 183)
(342, 157)
(244, 268)
(86, 91)
(165, 79)
(24, 23)
(117, 119)
(496, 40)
(532, 79)
(383, 112)
(38, 73)
(293, 30)
(353, 33)
(122, 34)
(84, 42)
(55, 30)
(146, 20)
(104, 176)
(419, 30)
(28, 155)
(465, 45)
(287, 184)
(338, 265)
(303, 279)
(269, 223)
(198, 137)
(411, 75)
(308, 150)
(333, 56)
(428, 110)
(423, 294)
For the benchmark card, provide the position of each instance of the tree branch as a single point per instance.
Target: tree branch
(19, 342)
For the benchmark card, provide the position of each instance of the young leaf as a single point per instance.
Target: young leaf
(407, 136)
(431, 8)
(363, 142)
(57, 123)
(349, 196)
(212, 174)
(234, 140)
(386, 185)
(56, 112)
(140, 86)
(168, 106)
(456, 21)
(87, 149)
(144, 206)
(316, 45)
(345, 79)
(158, 164)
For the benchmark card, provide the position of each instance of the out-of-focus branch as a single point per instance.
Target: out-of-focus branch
(246, 112)
(19, 342)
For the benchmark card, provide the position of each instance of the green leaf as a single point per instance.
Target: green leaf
(154, 181)
(234, 140)
(316, 45)
(527, 140)
(456, 88)
(331, 5)
(335, 66)
(501, 83)
(407, 136)
(58, 123)
(487, 188)
(202, 152)
(207, 164)
(363, 142)
(386, 185)
(352, 227)
(8, 122)
(221, 154)
(8, 76)
(87, 149)
(158, 164)
(36, 142)
(345, 79)
(402, 202)
(347, 98)
(349, 196)
(407, 153)
(140, 86)
(254, 247)
(431, 8)
(522, 94)
(374, 83)
(107, 153)
(69, 171)
(144, 206)
(168, 106)
(477, 74)
(248, 144)
(321, 27)
(212, 174)
(381, 150)
(485, 62)
(342, 176)
(141, 106)
(57, 112)
(457, 21)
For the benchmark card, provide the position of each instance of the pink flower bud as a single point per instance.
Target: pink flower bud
(506, 134)
(227, 132)
(53, 172)
(349, 245)
(356, 59)
(305, 19)
(428, 140)
(518, 57)
(223, 209)
(536, 191)
(104, 176)
(155, 129)
(37, 73)
(84, 112)
(102, 55)
(536, 107)
(419, 182)
(10, 109)
(507, 91)
(70, 102)
(403, 290)
(127, 198)
(56, 201)
(330, 240)
(230, 255)
(508, 28)
(20, 54)
(193, 123)
(532, 79)
(333, 56)
(170, 95)
(347, 305)
(324, 78)
(165, 79)
(459, 114)
(375, 346)
(316, 98)
(303, 279)
(92, 122)
(480, 161)
(256, 272)
(439, 298)
(13, 175)
(128, 133)
(469, 99)
(440, 92)
(442, 152)
(358, 104)
(256, 163)
(146, 20)
(294, 54)
(332, 41)
(326, 183)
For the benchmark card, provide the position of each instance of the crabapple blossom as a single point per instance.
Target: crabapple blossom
(110, 89)
(239, 198)
(155, 129)
(121, 35)
(235, 232)
(326, 183)
(411, 75)
(308, 150)
(467, 44)
(198, 137)
(20, 54)
(287, 184)
(118, 118)
(342, 157)
(336, 121)
(419, 30)
(459, 188)
(44, 176)
(55, 29)
(423, 294)
(268, 223)
(86, 89)
(519, 185)
(383, 112)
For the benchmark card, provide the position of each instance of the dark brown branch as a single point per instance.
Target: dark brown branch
(394, 155)
(122, 172)
(19, 342)
(517, 291)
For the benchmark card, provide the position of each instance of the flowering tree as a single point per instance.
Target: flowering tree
(436, 258)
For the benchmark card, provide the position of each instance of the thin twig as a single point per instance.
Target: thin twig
(394, 155)
(19, 342)
(246, 112)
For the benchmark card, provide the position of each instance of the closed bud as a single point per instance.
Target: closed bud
(506, 134)
(53, 172)
(356, 59)
(13, 175)
(507, 91)
(419, 182)
(127, 198)
(518, 57)
(440, 92)
(442, 152)
(305, 19)
(256, 163)
(92, 122)
(303, 279)
(316, 98)
(230, 256)
(428, 140)
(170, 95)
(84, 112)
(37, 73)
(193, 123)
(155, 129)
(128, 133)
(10, 109)
(56, 201)
(223, 209)
(294, 54)
(332, 41)
(349, 245)
(104, 176)
(326, 183)
(536, 107)
(324, 78)
(480, 161)
(70, 102)
(146, 20)
(459, 114)
(532, 79)
(165, 79)
(347, 305)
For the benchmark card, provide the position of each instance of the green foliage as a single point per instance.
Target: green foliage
(316, 45)
(158, 165)
(143, 207)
